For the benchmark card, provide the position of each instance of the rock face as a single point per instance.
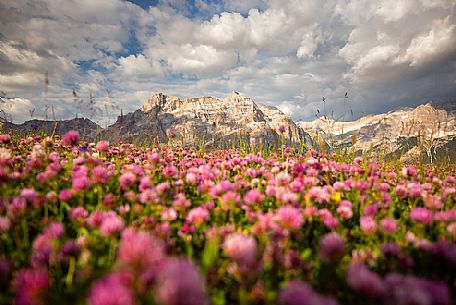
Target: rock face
(406, 133)
(86, 128)
(206, 121)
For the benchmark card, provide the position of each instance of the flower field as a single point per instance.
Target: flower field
(98, 224)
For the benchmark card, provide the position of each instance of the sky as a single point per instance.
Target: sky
(96, 58)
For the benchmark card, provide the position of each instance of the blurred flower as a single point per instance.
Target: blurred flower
(140, 249)
(71, 138)
(180, 283)
(289, 218)
(197, 216)
(253, 197)
(332, 247)
(422, 215)
(388, 225)
(368, 224)
(112, 289)
(102, 146)
(111, 225)
(4, 224)
(241, 248)
(364, 281)
(31, 286)
(410, 290)
(300, 293)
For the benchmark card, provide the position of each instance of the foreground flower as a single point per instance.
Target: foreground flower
(332, 247)
(139, 249)
(112, 289)
(299, 293)
(31, 286)
(241, 248)
(364, 281)
(180, 283)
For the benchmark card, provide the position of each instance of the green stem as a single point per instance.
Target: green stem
(70, 274)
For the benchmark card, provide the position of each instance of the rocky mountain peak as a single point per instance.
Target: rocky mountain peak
(207, 119)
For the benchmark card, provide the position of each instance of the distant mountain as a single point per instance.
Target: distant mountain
(86, 128)
(206, 120)
(409, 133)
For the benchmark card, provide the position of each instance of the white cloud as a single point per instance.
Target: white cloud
(288, 53)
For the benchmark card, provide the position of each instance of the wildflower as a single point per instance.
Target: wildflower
(422, 215)
(289, 218)
(111, 225)
(332, 247)
(31, 286)
(127, 179)
(71, 138)
(78, 213)
(65, 195)
(364, 281)
(300, 293)
(4, 224)
(113, 289)
(410, 290)
(100, 175)
(180, 283)
(281, 128)
(253, 197)
(241, 248)
(102, 146)
(344, 209)
(197, 216)
(433, 202)
(168, 214)
(180, 201)
(388, 225)
(140, 249)
(5, 139)
(368, 224)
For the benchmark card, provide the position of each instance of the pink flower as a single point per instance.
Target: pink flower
(168, 214)
(388, 225)
(71, 138)
(300, 293)
(180, 283)
(364, 281)
(31, 286)
(4, 224)
(113, 289)
(80, 183)
(78, 213)
(140, 249)
(5, 139)
(433, 202)
(111, 225)
(65, 195)
(332, 247)
(127, 179)
(197, 216)
(289, 218)
(253, 197)
(368, 224)
(100, 175)
(241, 248)
(180, 201)
(102, 146)
(422, 215)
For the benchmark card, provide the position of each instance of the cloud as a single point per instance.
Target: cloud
(286, 53)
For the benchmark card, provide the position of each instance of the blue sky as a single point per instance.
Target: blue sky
(385, 54)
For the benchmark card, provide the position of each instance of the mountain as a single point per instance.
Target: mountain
(86, 128)
(206, 120)
(408, 133)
